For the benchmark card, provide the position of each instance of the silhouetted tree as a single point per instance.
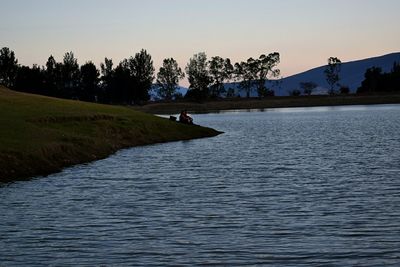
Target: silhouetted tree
(254, 73)
(89, 82)
(168, 78)
(107, 69)
(266, 68)
(53, 77)
(394, 78)
(371, 81)
(332, 73)
(230, 93)
(390, 82)
(8, 67)
(123, 83)
(246, 74)
(129, 82)
(396, 68)
(199, 77)
(295, 92)
(377, 82)
(308, 87)
(344, 90)
(107, 81)
(221, 70)
(70, 75)
(142, 72)
(31, 80)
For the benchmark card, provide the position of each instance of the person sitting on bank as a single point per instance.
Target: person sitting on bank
(185, 118)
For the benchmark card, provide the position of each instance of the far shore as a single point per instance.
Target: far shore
(210, 106)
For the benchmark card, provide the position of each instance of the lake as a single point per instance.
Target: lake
(282, 187)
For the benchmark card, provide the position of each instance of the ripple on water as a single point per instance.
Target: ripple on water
(308, 187)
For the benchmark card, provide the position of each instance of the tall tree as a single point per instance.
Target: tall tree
(106, 83)
(8, 67)
(372, 79)
(168, 78)
(266, 68)
(89, 82)
(122, 83)
(142, 71)
(246, 74)
(199, 77)
(70, 75)
(332, 73)
(221, 70)
(53, 77)
(254, 73)
(106, 69)
(394, 78)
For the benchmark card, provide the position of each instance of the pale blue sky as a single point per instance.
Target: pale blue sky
(304, 32)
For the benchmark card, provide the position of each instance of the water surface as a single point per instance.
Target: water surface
(283, 187)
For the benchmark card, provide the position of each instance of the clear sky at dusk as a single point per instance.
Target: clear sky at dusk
(304, 32)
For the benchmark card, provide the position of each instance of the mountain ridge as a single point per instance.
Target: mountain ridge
(351, 74)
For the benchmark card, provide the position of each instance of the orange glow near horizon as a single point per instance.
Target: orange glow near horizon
(304, 34)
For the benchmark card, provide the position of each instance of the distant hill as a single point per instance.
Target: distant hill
(351, 75)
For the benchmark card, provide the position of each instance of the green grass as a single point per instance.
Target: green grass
(40, 135)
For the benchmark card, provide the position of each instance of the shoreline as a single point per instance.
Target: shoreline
(43, 135)
(215, 106)
(14, 175)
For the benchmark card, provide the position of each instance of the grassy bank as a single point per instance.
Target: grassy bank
(41, 135)
(273, 102)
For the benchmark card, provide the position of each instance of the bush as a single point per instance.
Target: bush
(295, 92)
(344, 90)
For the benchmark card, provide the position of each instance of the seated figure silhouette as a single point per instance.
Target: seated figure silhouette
(185, 118)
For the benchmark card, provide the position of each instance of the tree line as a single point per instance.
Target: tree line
(128, 82)
(377, 82)
(132, 79)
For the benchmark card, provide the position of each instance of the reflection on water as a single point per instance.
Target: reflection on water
(291, 187)
(307, 109)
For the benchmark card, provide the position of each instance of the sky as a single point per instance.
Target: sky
(305, 32)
